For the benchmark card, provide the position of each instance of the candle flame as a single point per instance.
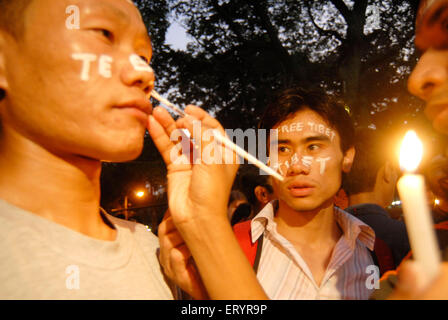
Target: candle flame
(411, 152)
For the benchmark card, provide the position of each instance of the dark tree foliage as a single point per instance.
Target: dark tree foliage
(148, 171)
(244, 50)
(155, 14)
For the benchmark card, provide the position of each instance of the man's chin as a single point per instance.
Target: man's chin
(121, 157)
(307, 204)
(301, 204)
(120, 154)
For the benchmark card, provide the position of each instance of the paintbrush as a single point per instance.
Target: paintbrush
(222, 139)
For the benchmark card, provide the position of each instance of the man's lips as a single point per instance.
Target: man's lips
(298, 189)
(143, 105)
(141, 108)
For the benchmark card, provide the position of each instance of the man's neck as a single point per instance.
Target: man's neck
(307, 227)
(63, 189)
(313, 234)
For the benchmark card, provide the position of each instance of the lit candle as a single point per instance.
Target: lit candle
(417, 216)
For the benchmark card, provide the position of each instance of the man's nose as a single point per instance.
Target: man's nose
(299, 165)
(142, 78)
(429, 74)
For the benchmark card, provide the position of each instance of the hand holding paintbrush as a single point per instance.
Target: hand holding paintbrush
(222, 139)
(196, 223)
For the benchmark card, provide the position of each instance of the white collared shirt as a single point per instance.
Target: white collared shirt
(284, 274)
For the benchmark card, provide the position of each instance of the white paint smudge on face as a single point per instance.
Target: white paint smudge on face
(322, 162)
(86, 59)
(139, 64)
(306, 161)
(285, 167)
(104, 64)
(294, 159)
(315, 127)
(322, 129)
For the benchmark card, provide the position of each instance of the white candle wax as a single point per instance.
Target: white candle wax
(419, 224)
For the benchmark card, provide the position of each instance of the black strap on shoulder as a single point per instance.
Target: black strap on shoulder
(374, 257)
(382, 256)
(258, 254)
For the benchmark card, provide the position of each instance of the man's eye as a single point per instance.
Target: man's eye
(283, 149)
(106, 33)
(313, 147)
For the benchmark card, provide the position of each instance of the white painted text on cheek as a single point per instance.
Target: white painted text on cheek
(104, 64)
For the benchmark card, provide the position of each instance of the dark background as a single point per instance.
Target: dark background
(242, 51)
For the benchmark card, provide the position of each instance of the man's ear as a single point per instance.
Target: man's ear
(347, 161)
(390, 173)
(262, 194)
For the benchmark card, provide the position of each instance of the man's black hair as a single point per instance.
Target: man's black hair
(11, 21)
(250, 180)
(287, 102)
(372, 152)
(11, 16)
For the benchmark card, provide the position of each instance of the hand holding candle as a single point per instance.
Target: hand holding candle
(417, 216)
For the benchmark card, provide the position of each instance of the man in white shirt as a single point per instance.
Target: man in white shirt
(311, 249)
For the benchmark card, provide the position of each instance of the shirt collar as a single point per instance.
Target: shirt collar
(263, 220)
(353, 229)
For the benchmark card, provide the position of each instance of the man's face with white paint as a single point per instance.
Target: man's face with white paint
(79, 91)
(311, 160)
